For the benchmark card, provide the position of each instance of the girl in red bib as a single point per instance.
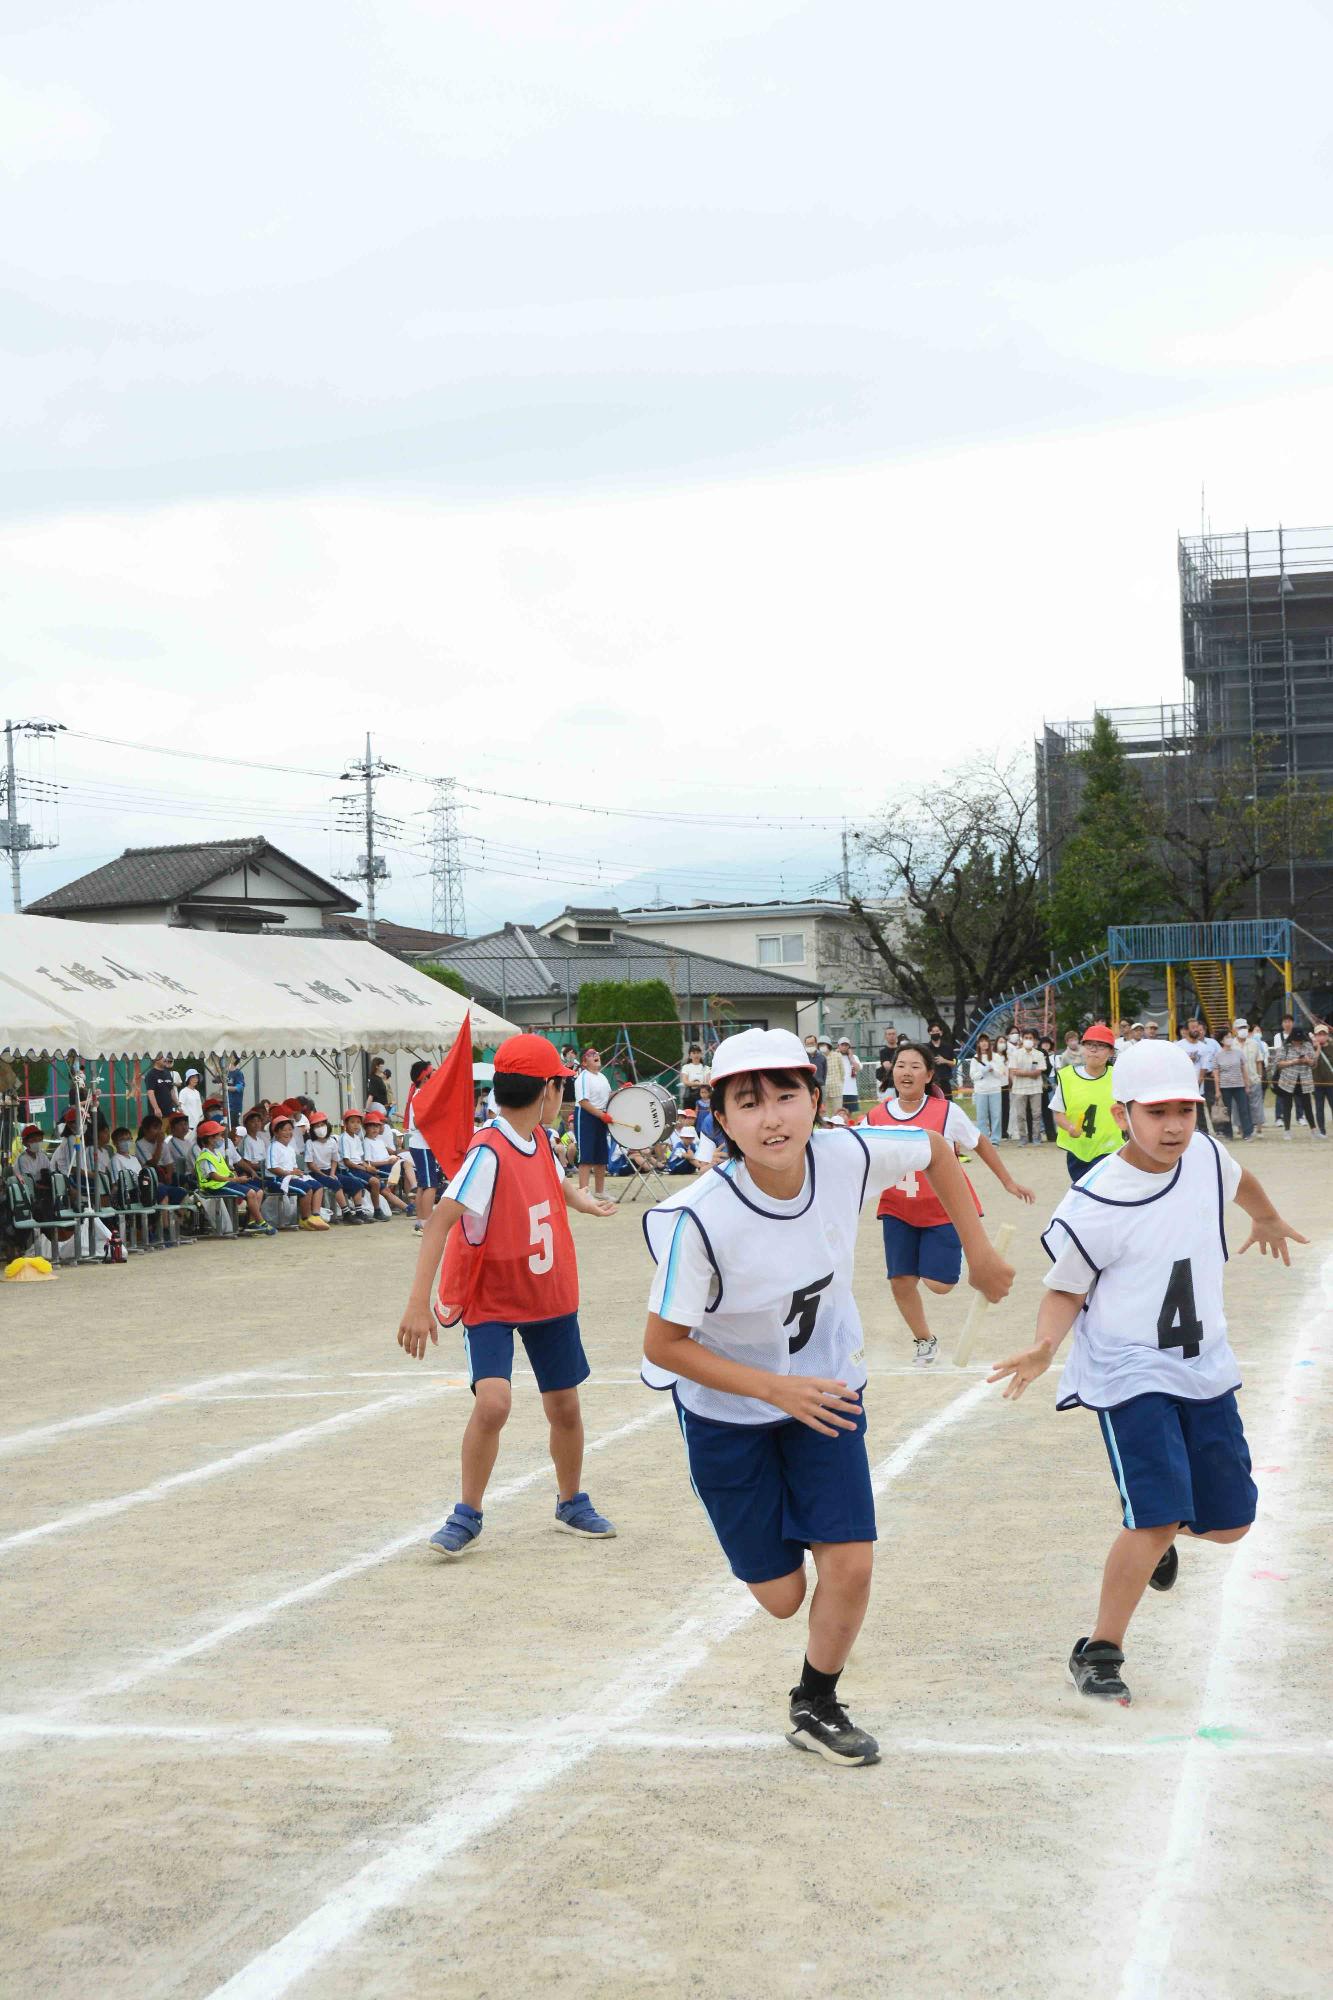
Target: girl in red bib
(509, 1267)
(921, 1245)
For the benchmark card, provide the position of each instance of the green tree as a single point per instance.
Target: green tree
(1215, 835)
(645, 1007)
(964, 856)
(1107, 871)
(446, 975)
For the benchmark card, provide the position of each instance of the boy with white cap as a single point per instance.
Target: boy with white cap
(753, 1327)
(1137, 1248)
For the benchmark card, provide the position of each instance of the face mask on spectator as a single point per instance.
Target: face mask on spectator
(1028, 1042)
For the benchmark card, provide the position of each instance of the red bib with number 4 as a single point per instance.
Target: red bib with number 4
(913, 1199)
(525, 1268)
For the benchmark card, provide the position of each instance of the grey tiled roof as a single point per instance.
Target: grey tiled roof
(534, 966)
(168, 874)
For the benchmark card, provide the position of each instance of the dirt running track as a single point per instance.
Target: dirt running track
(256, 1741)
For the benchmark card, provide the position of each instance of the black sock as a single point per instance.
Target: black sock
(813, 1682)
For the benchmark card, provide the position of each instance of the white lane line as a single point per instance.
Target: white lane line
(120, 1503)
(235, 1627)
(119, 1413)
(224, 1734)
(471, 1812)
(713, 1740)
(1243, 1602)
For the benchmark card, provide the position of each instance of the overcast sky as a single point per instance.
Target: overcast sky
(742, 409)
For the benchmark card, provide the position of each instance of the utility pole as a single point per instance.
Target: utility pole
(16, 836)
(370, 867)
(845, 880)
(446, 861)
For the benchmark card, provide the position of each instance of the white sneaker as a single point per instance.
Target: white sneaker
(927, 1353)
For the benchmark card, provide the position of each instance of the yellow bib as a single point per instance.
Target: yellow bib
(1088, 1103)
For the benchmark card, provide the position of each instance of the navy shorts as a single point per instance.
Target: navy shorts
(430, 1174)
(554, 1349)
(910, 1252)
(594, 1141)
(770, 1490)
(1177, 1460)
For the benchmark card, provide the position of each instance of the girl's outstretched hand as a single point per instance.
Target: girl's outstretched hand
(1024, 1368)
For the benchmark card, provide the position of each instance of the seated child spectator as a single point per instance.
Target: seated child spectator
(33, 1160)
(323, 1163)
(680, 1148)
(382, 1157)
(150, 1148)
(352, 1152)
(219, 1169)
(283, 1175)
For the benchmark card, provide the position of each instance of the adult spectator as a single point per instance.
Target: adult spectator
(1027, 1067)
(1229, 1072)
(1323, 1076)
(592, 1094)
(1295, 1080)
(1070, 1052)
(1254, 1061)
(1151, 1030)
(942, 1050)
(1202, 1051)
(191, 1099)
(833, 1075)
(160, 1089)
(851, 1067)
(377, 1085)
(694, 1074)
(234, 1083)
(815, 1050)
(988, 1073)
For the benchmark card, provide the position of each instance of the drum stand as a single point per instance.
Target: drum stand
(641, 1181)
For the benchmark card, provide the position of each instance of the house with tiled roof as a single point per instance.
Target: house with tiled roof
(210, 885)
(532, 975)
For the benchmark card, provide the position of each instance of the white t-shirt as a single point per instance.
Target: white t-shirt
(1203, 1053)
(29, 1165)
(282, 1162)
(322, 1154)
(1026, 1069)
(769, 1282)
(694, 1075)
(593, 1088)
(191, 1103)
(958, 1127)
(352, 1146)
(473, 1186)
(254, 1148)
(988, 1073)
(379, 1153)
(1148, 1251)
(850, 1066)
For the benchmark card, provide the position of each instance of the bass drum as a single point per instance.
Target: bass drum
(640, 1114)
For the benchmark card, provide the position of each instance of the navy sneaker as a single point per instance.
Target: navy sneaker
(579, 1517)
(1094, 1668)
(460, 1532)
(820, 1722)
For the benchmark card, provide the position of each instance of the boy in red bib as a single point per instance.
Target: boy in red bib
(509, 1267)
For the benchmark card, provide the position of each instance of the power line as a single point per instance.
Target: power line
(644, 812)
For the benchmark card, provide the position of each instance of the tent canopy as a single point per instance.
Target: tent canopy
(131, 989)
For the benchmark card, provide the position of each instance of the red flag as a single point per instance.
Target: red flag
(442, 1106)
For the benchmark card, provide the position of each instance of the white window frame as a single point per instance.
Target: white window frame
(782, 939)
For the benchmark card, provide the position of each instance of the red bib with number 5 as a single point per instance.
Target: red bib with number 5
(913, 1199)
(525, 1268)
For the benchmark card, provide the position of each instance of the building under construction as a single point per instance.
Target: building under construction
(1256, 613)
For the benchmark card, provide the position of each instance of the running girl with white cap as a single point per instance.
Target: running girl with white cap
(753, 1327)
(1138, 1248)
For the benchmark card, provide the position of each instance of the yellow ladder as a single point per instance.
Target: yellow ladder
(1215, 985)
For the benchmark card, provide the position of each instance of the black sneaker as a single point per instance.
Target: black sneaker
(819, 1722)
(1164, 1575)
(1094, 1668)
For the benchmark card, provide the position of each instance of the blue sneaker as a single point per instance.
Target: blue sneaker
(579, 1517)
(460, 1532)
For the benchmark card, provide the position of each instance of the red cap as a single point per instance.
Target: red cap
(317, 1118)
(253, 1112)
(31, 1132)
(529, 1055)
(1099, 1032)
(208, 1128)
(374, 1116)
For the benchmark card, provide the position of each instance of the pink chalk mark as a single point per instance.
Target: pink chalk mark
(1270, 1575)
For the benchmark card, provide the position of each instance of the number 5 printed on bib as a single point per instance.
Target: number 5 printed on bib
(541, 1237)
(805, 1311)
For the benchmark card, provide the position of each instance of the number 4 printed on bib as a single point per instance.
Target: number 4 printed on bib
(1178, 1323)
(542, 1238)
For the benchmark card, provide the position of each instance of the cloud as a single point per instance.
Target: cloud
(44, 124)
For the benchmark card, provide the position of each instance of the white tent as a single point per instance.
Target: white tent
(111, 990)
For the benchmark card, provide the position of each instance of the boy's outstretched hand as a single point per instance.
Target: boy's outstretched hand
(1272, 1235)
(1025, 1368)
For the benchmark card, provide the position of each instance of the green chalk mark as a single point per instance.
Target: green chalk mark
(1221, 1733)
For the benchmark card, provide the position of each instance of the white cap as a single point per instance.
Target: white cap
(759, 1048)
(1240, 1024)
(1154, 1073)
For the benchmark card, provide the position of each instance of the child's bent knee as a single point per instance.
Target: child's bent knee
(937, 1285)
(781, 1596)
